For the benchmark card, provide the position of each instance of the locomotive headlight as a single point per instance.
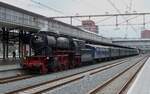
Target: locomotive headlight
(35, 36)
(47, 58)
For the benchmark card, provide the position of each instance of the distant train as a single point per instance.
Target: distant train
(56, 52)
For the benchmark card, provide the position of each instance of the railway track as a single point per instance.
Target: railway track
(124, 78)
(12, 75)
(9, 70)
(19, 75)
(52, 84)
(15, 78)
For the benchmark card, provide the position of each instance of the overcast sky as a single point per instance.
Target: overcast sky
(88, 7)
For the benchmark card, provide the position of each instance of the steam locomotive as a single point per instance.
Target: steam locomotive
(58, 52)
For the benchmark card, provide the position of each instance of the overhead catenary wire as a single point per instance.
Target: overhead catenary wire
(128, 20)
(131, 4)
(90, 4)
(107, 18)
(114, 6)
(128, 10)
(86, 3)
(61, 12)
(53, 9)
(124, 2)
(107, 25)
(100, 21)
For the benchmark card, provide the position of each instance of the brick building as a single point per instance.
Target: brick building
(89, 25)
(145, 34)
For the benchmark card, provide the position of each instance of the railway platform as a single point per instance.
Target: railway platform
(9, 64)
(9, 67)
(141, 85)
(9, 61)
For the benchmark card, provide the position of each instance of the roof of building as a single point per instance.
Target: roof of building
(126, 40)
(20, 9)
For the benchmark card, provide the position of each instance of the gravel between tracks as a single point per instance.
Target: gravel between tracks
(117, 84)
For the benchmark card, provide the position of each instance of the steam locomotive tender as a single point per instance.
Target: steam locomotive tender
(53, 53)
